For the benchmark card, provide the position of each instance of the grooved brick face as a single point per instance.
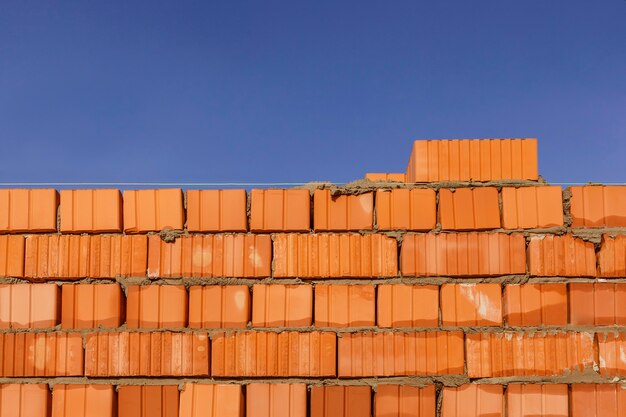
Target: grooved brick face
(217, 306)
(24, 306)
(215, 400)
(612, 354)
(153, 210)
(11, 256)
(25, 400)
(471, 305)
(597, 400)
(471, 400)
(526, 400)
(83, 400)
(217, 211)
(612, 256)
(91, 305)
(282, 305)
(402, 305)
(402, 209)
(148, 401)
(25, 210)
(341, 401)
(343, 212)
(91, 211)
(276, 400)
(469, 209)
(532, 207)
(565, 255)
(280, 210)
(156, 306)
(403, 400)
(597, 304)
(598, 206)
(535, 304)
(344, 305)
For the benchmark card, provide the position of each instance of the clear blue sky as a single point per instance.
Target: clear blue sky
(266, 91)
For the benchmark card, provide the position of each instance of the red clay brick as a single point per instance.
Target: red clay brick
(91, 211)
(463, 254)
(469, 208)
(532, 207)
(282, 305)
(471, 305)
(156, 306)
(343, 212)
(598, 206)
(41, 354)
(87, 306)
(404, 401)
(285, 354)
(565, 256)
(402, 209)
(402, 305)
(24, 306)
(25, 400)
(236, 256)
(400, 354)
(612, 257)
(276, 400)
(472, 400)
(280, 210)
(473, 160)
(612, 354)
(334, 256)
(345, 305)
(535, 305)
(528, 354)
(83, 400)
(597, 304)
(218, 306)
(153, 210)
(28, 210)
(147, 401)
(526, 400)
(12, 256)
(386, 177)
(597, 400)
(211, 400)
(147, 354)
(341, 401)
(217, 211)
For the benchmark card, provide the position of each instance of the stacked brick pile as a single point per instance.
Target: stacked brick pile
(465, 287)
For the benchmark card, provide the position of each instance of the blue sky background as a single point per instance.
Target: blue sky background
(293, 91)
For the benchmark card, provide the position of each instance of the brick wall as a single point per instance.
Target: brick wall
(466, 286)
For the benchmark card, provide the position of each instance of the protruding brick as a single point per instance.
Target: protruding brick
(471, 304)
(565, 256)
(400, 354)
(403, 209)
(91, 211)
(153, 210)
(472, 400)
(253, 353)
(598, 206)
(25, 400)
(386, 177)
(219, 306)
(156, 306)
(405, 401)
(334, 256)
(87, 306)
(12, 256)
(597, 400)
(343, 212)
(532, 207)
(147, 401)
(612, 354)
(612, 257)
(408, 305)
(280, 210)
(211, 400)
(535, 305)
(217, 211)
(463, 254)
(341, 401)
(276, 400)
(282, 305)
(147, 354)
(469, 208)
(597, 304)
(24, 306)
(345, 305)
(28, 210)
(90, 400)
(525, 400)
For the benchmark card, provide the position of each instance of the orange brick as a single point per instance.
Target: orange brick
(217, 211)
(612, 354)
(156, 306)
(532, 207)
(88, 306)
(91, 211)
(41, 354)
(284, 354)
(528, 354)
(566, 256)
(612, 257)
(236, 256)
(408, 305)
(469, 208)
(523, 400)
(25, 400)
(282, 305)
(343, 212)
(211, 400)
(597, 304)
(472, 400)
(598, 206)
(386, 177)
(463, 254)
(400, 354)
(12, 256)
(153, 210)
(402, 209)
(28, 210)
(280, 210)
(90, 400)
(404, 401)
(24, 306)
(148, 401)
(535, 305)
(471, 305)
(341, 401)
(597, 400)
(276, 400)
(219, 306)
(334, 256)
(147, 354)
(344, 305)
